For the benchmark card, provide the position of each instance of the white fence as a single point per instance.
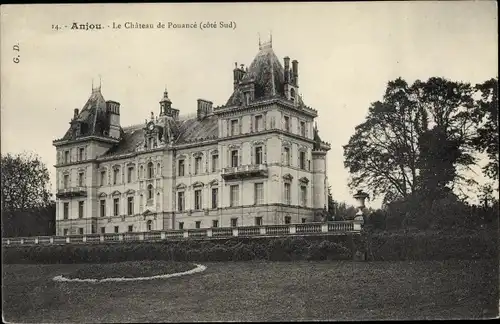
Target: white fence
(337, 227)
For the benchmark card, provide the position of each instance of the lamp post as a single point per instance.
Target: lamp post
(360, 198)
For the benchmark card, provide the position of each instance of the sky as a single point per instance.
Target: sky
(347, 53)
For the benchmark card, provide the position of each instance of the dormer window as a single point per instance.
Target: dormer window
(292, 94)
(150, 143)
(247, 98)
(66, 156)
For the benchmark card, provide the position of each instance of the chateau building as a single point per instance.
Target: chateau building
(257, 160)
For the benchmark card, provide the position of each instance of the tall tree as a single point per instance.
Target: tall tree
(25, 181)
(487, 118)
(382, 153)
(414, 139)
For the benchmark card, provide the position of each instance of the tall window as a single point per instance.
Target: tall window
(259, 193)
(287, 123)
(131, 228)
(288, 219)
(81, 153)
(66, 156)
(234, 127)
(215, 223)
(258, 155)
(150, 192)
(181, 168)
(130, 174)
(181, 225)
(149, 225)
(116, 206)
(117, 229)
(197, 165)
(80, 209)
(198, 224)
(141, 174)
(180, 200)
(80, 231)
(287, 156)
(197, 199)
(302, 128)
(234, 222)
(259, 123)
(103, 207)
(258, 221)
(65, 231)
(215, 197)
(66, 210)
(234, 158)
(303, 160)
(116, 172)
(66, 181)
(80, 179)
(103, 230)
(287, 193)
(150, 170)
(103, 178)
(130, 205)
(303, 196)
(235, 195)
(215, 162)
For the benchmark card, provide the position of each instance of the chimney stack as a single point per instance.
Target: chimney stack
(75, 115)
(204, 108)
(287, 69)
(114, 118)
(295, 71)
(238, 74)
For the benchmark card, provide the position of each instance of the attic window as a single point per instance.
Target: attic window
(292, 94)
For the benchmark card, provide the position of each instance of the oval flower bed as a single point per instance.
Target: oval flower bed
(130, 270)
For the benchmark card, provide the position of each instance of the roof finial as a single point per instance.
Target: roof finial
(260, 45)
(100, 82)
(92, 84)
(271, 38)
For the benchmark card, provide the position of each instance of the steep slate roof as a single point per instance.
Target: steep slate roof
(185, 130)
(93, 117)
(268, 74)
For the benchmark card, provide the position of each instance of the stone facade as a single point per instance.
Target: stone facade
(257, 160)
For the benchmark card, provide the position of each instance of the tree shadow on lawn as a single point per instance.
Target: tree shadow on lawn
(262, 290)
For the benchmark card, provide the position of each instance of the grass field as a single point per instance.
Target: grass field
(260, 291)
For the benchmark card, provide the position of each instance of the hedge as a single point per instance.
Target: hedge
(379, 246)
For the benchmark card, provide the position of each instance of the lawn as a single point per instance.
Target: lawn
(260, 291)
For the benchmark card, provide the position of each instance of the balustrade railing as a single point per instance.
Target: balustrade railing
(248, 231)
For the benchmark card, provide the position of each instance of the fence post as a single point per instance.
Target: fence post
(324, 228)
(120, 237)
(141, 236)
(68, 240)
(84, 238)
(186, 234)
(163, 235)
(101, 238)
(262, 231)
(293, 229)
(51, 240)
(235, 232)
(8, 242)
(209, 232)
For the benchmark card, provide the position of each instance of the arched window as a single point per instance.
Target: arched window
(150, 225)
(150, 170)
(141, 174)
(150, 192)
(292, 94)
(158, 169)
